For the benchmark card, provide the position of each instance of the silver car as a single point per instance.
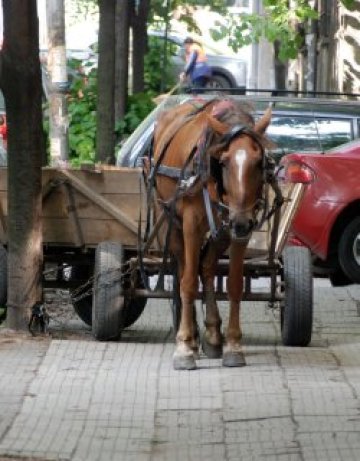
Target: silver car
(227, 71)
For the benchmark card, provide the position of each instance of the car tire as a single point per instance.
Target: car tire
(349, 250)
(218, 81)
(297, 307)
(339, 279)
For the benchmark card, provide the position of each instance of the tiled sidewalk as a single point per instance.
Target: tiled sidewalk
(85, 400)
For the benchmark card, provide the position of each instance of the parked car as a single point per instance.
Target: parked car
(328, 219)
(298, 124)
(227, 71)
(3, 132)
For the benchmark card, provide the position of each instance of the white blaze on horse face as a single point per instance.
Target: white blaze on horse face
(240, 158)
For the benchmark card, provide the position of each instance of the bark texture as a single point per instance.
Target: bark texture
(105, 124)
(21, 83)
(121, 58)
(139, 43)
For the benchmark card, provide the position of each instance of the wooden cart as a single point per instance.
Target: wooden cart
(90, 236)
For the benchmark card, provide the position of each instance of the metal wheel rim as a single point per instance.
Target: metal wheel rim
(356, 249)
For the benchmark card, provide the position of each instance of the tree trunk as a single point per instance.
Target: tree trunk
(21, 83)
(121, 58)
(105, 123)
(58, 114)
(280, 69)
(139, 43)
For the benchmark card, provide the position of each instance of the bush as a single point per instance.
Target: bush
(82, 103)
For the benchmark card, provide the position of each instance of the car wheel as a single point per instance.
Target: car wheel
(349, 250)
(218, 81)
(339, 279)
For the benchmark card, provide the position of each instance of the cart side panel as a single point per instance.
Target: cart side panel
(259, 244)
(83, 208)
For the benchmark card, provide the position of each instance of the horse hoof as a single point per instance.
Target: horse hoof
(184, 362)
(196, 353)
(233, 359)
(210, 350)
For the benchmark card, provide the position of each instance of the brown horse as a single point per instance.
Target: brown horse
(208, 171)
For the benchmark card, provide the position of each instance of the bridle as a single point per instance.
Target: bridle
(262, 204)
(196, 170)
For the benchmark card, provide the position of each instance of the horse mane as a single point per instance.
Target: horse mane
(233, 112)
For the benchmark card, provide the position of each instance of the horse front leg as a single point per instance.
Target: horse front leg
(232, 352)
(186, 350)
(212, 338)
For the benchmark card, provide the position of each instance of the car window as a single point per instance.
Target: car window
(294, 133)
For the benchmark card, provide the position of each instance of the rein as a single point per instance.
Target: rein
(187, 179)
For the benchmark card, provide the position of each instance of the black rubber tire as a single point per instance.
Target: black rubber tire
(218, 81)
(133, 310)
(3, 276)
(339, 279)
(83, 308)
(108, 299)
(349, 250)
(297, 307)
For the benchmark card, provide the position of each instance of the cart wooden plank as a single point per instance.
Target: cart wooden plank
(85, 207)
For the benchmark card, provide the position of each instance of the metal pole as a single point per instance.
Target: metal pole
(58, 84)
(165, 51)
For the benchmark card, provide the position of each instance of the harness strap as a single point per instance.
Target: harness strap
(209, 213)
(173, 172)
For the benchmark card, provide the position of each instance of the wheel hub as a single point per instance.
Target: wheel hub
(356, 249)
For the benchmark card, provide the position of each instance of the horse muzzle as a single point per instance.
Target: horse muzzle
(240, 231)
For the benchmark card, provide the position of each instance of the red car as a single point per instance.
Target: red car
(328, 219)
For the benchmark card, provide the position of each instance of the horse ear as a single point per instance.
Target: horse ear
(216, 126)
(263, 123)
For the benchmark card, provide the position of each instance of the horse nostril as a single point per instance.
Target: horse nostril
(241, 229)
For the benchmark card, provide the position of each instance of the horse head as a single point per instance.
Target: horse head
(240, 153)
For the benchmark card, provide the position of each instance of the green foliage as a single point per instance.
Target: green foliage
(278, 23)
(138, 107)
(155, 77)
(160, 12)
(82, 118)
(349, 4)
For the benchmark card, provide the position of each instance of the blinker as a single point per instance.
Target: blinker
(235, 131)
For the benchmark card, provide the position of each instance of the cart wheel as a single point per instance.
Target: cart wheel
(3, 276)
(133, 311)
(108, 299)
(83, 308)
(297, 308)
